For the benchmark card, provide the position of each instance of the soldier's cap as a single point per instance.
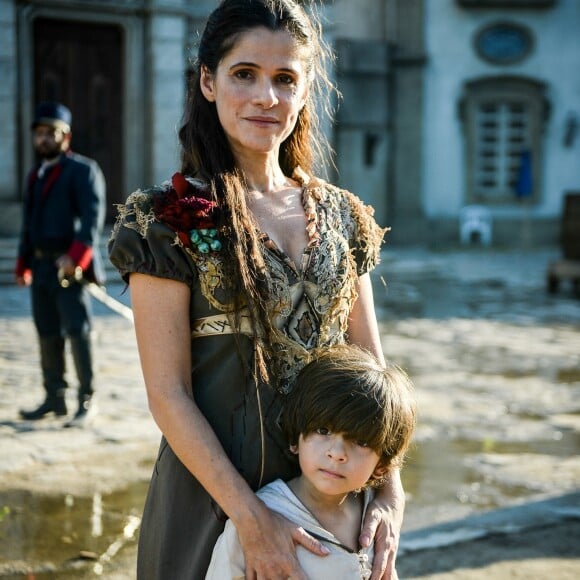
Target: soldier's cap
(53, 115)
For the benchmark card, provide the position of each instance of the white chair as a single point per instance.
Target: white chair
(475, 225)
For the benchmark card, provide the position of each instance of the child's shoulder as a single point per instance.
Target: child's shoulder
(275, 489)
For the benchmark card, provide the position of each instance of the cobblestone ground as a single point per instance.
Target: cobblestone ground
(496, 362)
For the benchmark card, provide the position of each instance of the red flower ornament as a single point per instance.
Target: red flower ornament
(192, 216)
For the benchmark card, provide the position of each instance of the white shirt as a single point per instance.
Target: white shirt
(227, 562)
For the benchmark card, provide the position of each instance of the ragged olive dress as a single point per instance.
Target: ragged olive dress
(309, 303)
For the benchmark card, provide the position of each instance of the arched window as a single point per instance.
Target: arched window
(503, 119)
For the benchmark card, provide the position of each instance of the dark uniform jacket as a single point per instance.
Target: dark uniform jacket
(64, 211)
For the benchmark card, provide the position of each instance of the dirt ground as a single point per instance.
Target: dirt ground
(496, 363)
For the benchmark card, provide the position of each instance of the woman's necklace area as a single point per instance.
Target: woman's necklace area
(281, 217)
(276, 203)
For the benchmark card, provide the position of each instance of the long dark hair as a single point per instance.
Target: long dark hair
(206, 152)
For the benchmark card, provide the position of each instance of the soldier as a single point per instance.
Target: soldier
(64, 209)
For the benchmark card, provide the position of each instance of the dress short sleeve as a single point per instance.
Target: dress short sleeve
(140, 243)
(365, 236)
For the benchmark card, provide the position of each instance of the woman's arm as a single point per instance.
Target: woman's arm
(161, 310)
(363, 329)
(385, 515)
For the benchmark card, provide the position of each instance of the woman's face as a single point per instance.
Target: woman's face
(259, 88)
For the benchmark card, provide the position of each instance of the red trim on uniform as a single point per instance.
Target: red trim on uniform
(50, 180)
(53, 175)
(80, 254)
(21, 268)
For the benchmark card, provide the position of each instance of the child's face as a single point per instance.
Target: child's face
(333, 464)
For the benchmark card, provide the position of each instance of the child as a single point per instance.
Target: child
(349, 420)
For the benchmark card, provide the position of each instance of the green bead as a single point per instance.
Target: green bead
(216, 245)
(212, 233)
(203, 247)
(203, 232)
(194, 236)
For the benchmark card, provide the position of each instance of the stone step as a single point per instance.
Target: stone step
(8, 251)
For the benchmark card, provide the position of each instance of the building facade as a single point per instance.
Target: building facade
(502, 109)
(119, 65)
(446, 103)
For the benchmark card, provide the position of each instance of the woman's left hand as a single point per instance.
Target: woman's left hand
(382, 525)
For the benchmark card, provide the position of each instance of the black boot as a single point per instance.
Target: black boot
(82, 357)
(53, 367)
(56, 405)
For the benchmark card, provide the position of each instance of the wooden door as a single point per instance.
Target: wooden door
(80, 64)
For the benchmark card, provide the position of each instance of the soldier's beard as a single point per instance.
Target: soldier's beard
(48, 152)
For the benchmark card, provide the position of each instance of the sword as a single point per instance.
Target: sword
(96, 291)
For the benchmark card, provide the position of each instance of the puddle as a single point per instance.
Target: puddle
(69, 538)
(58, 537)
(441, 484)
(571, 375)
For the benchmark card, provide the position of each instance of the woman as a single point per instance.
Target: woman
(236, 271)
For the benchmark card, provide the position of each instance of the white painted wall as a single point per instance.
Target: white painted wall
(555, 61)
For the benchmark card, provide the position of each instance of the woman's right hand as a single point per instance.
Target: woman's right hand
(269, 543)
